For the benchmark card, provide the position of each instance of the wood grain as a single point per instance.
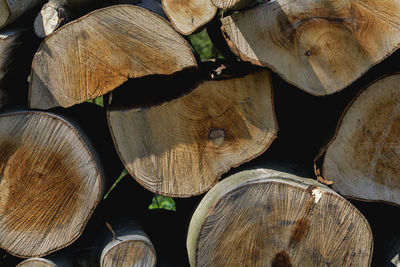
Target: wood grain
(232, 4)
(90, 56)
(182, 147)
(49, 183)
(363, 158)
(267, 218)
(189, 16)
(319, 46)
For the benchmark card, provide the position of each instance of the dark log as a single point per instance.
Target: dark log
(267, 218)
(10, 10)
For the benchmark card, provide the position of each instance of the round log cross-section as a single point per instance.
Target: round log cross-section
(129, 250)
(50, 183)
(102, 50)
(182, 147)
(363, 158)
(268, 218)
(321, 46)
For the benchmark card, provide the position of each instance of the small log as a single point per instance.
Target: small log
(10, 10)
(233, 4)
(363, 157)
(127, 246)
(182, 147)
(264, 217)
(9, 42)
(56, 13)
(319, 46)
(51, 261)
(102, 50)
(189, 16)
(50, 183)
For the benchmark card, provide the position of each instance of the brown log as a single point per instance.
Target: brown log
(9, 41)
(10, 10)
(51, 261)
(182, 147)
(362, 159)
(102, 50)
(127, 246)
(50, 183)
(189, 16)
(264, 217)
(319, 46)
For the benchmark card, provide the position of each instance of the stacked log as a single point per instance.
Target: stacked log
(268, 218)
(178, 126)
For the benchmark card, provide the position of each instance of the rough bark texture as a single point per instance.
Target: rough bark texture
(268, 218)
(319, 46)
(362, 159)
(189, 16)
(129, 247)
(232, 4)
(50, 183)
(94, 54)
(10, 10)
(9, 41)
(182, 147)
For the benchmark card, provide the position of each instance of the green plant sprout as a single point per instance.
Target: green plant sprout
(97, 101)
(162, 202)
(122, 175)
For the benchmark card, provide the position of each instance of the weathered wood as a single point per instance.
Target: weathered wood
(9, 41)
(50, 183)
(232, 4)
(128, 246)
(102, 50)
(267, 218)
(189, 16)
(56, 13)
(319, 46)
(51, 261)
(10, 10)
(362, 158)
(182, 147)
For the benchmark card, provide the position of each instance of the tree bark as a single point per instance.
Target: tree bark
(264, 217)
(319, 46)
(181, 148)
(189, 16)
(10, 10)
(9, 42)
(102, 50)
(51, 182)
(362, 158)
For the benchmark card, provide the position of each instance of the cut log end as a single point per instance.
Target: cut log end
(189, 16)
(49, 19)
(362, 159)
(137, 44)
(131, 250)
(182, 147)
(50, 183)
(318, 46)
(267, 218)
(37, 262)
(232, 4)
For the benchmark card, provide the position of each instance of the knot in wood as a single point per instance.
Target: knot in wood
(217, 136)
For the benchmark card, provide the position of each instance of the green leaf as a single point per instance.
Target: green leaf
(123, 174)
(162, 202)
(204, 47)
(97, 101)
